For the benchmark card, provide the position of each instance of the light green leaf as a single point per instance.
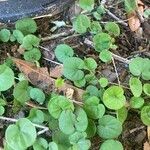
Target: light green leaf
(30, 41)
(2, 110)
(91, 129)
(21, 135)
(136, 102)
(102, 41)
(130, 5)
(146, 89)
(63, 51)
(40, 144)
(57, 104)
(4, 35)
(21, 92)
(36, 116)
(111, 144)
(80, 83)
(18, 36)
(103, 82)
(90, 64)
(147, 13)
(95, 27)
(73, 68)
(122, 114)
(6, 77)
(145, 115)
(109, 127)
(112, 28)
(135, 86)
(81, 24)
(114, 98)
(105, 56)
(53, 146)
(86, 4)
(38, 95)
(26, 26)
(32, 55)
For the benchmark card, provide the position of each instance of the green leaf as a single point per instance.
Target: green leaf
(36, 116)
(112, 28)
(91, 129)
(136, 102)
(135, 86)
(6, 77)
(109, 127)
(147, 13)
(66, 122)
(59, 82)
(86, 4)
(122, 114)
(21, 92)
(130, 5)
(95, 27)
(2, 102)
(40, 144)
(63, 51)
(30, 41)
(2, 110)
(90, 64)
(105, 56)
(4, 35)
(21, 135)
(111, 144)
(146, 89)
(93, 109)
(140, 67)
(53, 146)
(26, 26)
(57, 104)
(81, 24)
(102, 41)
(80, 83)
(18, 36)
(103, 82)
(145, 115)
(79, 142)
(72, 68)
(37, 94)
(32, 55)
(101, 9)
(114, 98)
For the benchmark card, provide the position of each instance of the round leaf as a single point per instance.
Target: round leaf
(53, 146)
(86, 4)
(2, 110)
(95, 27)
(136, 102)
(81, 24)
(72, 68)
(6, 77)
(91, 129)
(146, 89)
(90, 64)
(135, 86)
(40, 144)
(21, 92)
(5, 35)
(18, 36)
(114, 98)
(145, 115)
(112, 28)
(37, 95)
(111, 144)
(103, 82)
(105, 56)
(122, 114)
(63, 51)
(21, 135)
(109, 127)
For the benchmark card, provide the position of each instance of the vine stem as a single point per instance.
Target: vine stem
(15, 120)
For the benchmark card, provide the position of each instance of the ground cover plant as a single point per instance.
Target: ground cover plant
(75, 103)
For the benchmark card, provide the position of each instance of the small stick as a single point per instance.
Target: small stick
(136, 129)
(54, 62)
(15, 120)
(116, 71)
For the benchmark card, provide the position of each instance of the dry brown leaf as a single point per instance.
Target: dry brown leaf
(41, 78)
(146, 146)
(56, 72)
(133, 19)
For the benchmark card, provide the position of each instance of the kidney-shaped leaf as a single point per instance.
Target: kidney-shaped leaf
(86, 4)
(146, 89)
(109, 127)
(114, 98)
(6, 77)
(145, 115)
(40, 144)
(21, 135)
(72, 68)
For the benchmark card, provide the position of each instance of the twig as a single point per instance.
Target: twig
(54, 62)
(116, 18)
(30, 104)
(55, 36)
(15, 120)
(136, 129)
(42, 131)
(116, 70)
